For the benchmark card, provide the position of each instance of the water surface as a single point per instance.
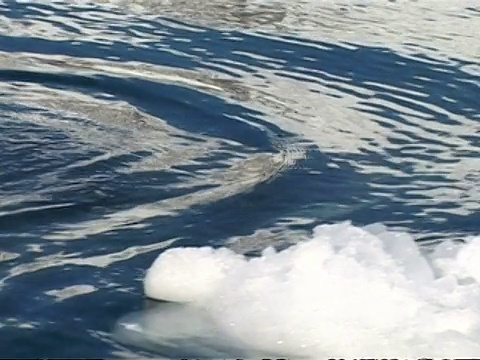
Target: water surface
(132, 127)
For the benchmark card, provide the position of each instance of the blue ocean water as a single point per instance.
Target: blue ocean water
(125, 133)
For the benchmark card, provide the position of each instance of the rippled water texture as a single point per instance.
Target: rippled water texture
(132, 127)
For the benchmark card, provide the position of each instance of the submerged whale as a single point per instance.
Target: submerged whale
(175, 331)
(345, 292)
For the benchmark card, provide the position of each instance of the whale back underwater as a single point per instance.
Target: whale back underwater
(302, 301)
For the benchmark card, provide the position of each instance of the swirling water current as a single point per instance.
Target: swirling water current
(129, 127)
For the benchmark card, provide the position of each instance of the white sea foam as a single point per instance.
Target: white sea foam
(348, 291)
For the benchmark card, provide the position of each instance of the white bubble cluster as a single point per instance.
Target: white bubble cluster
(348, 291)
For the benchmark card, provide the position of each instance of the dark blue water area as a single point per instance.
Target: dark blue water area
(312, 188)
